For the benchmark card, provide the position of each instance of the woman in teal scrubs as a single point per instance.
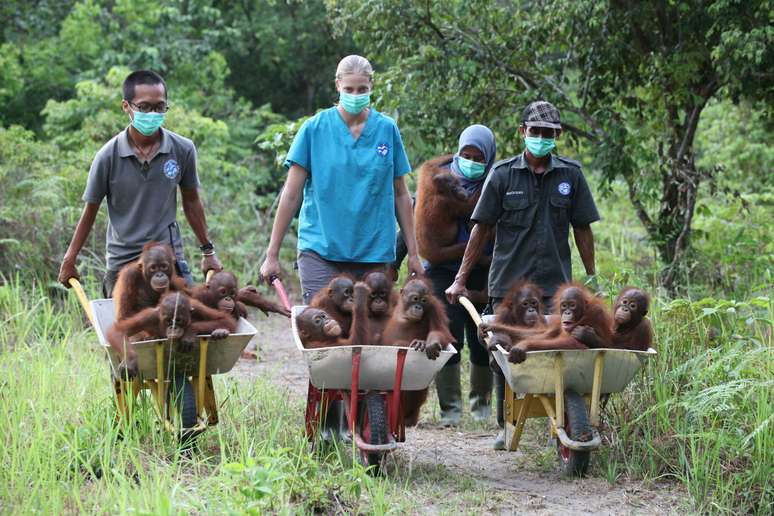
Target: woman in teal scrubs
(347, 165)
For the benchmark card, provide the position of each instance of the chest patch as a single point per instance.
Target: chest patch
(564, 188)
(382, 149)
(171, 169)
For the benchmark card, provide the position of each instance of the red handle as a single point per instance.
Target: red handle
(277, 284)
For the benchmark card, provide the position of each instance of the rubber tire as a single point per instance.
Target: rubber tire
(181, 391)
(574, 463)
(376, 410)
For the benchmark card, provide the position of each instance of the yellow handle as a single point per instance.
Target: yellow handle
(208, 276)
(464, 301)
(81, 295)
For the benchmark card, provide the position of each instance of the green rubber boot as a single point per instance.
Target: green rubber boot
(499, 442)
(480, 392)
(447, 385)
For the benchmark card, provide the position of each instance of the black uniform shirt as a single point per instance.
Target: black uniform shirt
(532, 214)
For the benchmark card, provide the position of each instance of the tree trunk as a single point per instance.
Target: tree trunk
(680, 185)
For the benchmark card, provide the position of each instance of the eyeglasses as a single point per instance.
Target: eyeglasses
(543, 132)
(144, 107)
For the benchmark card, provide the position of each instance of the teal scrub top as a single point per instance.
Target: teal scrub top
(348, 213)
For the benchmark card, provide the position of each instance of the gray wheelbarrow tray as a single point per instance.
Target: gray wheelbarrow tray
(331, 368)
(221, 355)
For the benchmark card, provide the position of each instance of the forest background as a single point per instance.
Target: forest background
(667, 104)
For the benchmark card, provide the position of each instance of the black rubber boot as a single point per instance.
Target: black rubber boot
(480, 392)
(447, 384)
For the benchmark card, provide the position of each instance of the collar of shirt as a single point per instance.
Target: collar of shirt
(520, 162)
(368, 126)
(125, 149)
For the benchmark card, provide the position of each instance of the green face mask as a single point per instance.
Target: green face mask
(147, 123)
(354, 104)
(469, 168)
(539, 147)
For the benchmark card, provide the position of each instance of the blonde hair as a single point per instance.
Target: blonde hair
(354, 65)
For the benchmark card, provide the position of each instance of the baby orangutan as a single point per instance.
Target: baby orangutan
(317, 329)
(576, 308)
(380, 304)
(222, 293)
(522, 308)
(336, 300)
(176, 317)
(631, 329)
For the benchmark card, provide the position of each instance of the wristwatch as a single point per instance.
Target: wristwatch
(207, 247)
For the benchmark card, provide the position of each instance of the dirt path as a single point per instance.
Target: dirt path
(517, 482)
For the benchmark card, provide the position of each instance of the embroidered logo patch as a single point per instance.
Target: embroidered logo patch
(382, 149)
(564, 188)
(171, 169)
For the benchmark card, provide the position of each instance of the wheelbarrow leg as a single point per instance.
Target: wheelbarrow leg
(354, 392)
(559, 389)
(394, 413)
(160, 394)
(599, 363)
(521, 418)
(200, 383)
(210, 402)
(123, 389)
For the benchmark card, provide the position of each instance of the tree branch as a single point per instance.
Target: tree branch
(639, 207)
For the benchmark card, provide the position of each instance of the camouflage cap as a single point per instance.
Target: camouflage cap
(541, 114)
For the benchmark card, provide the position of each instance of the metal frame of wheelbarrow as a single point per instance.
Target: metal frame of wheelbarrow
(543, 391)
(203, 389)
(317, 401)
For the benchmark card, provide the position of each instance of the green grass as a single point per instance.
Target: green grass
(699, 415)
(63, 451)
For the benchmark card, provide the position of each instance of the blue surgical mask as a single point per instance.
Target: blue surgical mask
(147, 123)
(354, 104)
(469, 168)
(539, 147)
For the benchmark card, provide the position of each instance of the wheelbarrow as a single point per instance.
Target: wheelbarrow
(564, 386)
(179, 382)
(369, 381)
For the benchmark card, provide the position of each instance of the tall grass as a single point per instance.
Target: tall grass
(704, 412)
(63, 451)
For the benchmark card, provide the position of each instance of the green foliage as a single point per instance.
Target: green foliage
(292, 45)
(703, 413)
(737, 138)
(631, 79)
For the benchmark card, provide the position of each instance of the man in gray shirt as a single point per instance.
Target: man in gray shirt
(139, 171)
(528, 203)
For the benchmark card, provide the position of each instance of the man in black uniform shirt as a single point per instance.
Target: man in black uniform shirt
(529, 202)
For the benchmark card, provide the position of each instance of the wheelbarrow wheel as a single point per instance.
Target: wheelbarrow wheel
(376, 428)
(182, 397)
(576, 425)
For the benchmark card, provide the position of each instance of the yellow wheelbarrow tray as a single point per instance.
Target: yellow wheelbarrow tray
(539, 386)
(157, 358)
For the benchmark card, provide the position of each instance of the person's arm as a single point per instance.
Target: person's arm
(67, 269)
(290, 201)
(405, 215)
(584, 239)
(194, 214)
(479, 237)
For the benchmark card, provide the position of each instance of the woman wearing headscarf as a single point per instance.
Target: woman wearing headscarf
(442, 230)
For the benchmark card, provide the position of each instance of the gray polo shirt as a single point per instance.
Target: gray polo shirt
(532, 215)
(141, 196)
